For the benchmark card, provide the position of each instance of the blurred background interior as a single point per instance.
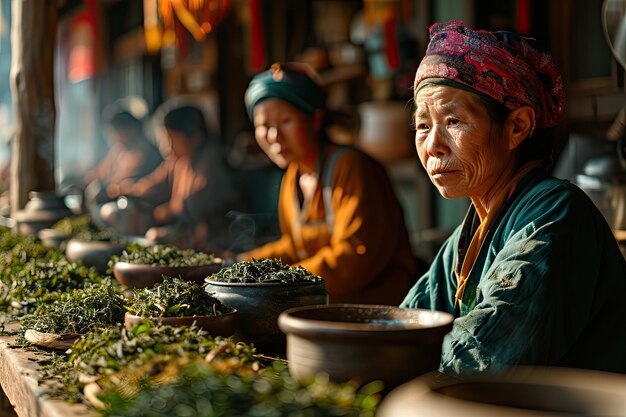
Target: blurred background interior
(164, 52)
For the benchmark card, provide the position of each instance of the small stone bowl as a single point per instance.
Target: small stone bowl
(363, 342)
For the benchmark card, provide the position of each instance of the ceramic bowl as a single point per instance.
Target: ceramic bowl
(93, 252)
(364, 342)
(53, 239)
(520, 392)
(259, 306)
(222, 325)
(144, 276)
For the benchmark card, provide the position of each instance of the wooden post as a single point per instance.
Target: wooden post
(33, 30)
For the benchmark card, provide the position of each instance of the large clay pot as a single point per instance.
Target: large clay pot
(366, 342)
(44, 209)
(522, 392)
(385, 132)
(259, 306)
(222, 325)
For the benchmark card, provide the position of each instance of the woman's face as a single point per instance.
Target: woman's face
(457, 143)
(286, 134)
(181, 144)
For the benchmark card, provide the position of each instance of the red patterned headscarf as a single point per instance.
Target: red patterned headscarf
(502, 65)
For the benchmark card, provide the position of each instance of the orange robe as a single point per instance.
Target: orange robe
(366, 257)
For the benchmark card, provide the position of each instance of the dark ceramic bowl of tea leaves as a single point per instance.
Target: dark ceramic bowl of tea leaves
(86, 241)
(141, 266)
(178, 302)
(260, 290)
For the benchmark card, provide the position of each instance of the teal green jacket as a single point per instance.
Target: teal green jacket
(548, 286)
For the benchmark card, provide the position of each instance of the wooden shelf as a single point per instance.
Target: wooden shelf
(19, 377)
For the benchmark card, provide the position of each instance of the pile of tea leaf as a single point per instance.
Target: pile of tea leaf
(175, 297)
(164, 369)
(110, 350)
(40, 280)
(180, 371)
(163, 255)
(113, 348)
(196, 389)
(79, 311)
(83, 227)
(17, 249)
(264, 271)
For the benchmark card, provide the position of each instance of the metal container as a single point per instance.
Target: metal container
(366, 342)
(44, 209)
(259, 306)
(604, 181)
(610, 198)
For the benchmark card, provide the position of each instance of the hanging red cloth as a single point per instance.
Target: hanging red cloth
(181, 40)
(84, 48)
(392, 50)
(523, 17)
(257, 38)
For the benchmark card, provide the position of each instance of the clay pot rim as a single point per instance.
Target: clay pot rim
(49, 232)
(106, 243)
(532, 375)
(224, 325)
(129, 266)
(289, 322)
(434, 390)
(263, 284)
(38, 217)
(230, 314)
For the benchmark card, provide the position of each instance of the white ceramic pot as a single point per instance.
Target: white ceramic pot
(385, 131)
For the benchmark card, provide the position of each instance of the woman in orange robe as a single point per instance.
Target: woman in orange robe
(339, 216)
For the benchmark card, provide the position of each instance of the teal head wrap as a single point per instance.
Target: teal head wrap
(286, 82)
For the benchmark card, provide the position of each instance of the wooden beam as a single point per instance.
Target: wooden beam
(33, 30)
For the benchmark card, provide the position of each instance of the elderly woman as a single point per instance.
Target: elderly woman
(338, 213)
(533, 275)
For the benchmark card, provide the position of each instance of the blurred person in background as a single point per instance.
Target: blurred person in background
(339, 216)
(191, 191)
(130, 156)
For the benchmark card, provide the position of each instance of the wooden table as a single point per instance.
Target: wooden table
(19, 375)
